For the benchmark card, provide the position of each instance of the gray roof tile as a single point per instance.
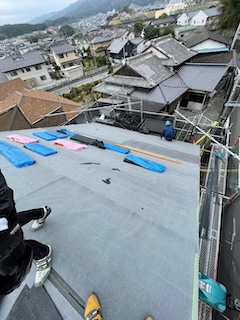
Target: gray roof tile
(30, 58)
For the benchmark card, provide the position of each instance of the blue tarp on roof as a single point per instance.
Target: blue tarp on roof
(44, 136)
(56, 134)
(40, 149)
(67, 132)
(147, 164)
(14, 155)
(116, 148)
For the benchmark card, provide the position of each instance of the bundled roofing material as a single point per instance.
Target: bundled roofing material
(21, 138)
(70, 145)
(14, 155)
(147, 164)
(40, 149)
(116, 148)
(88, 140)
(44, 136)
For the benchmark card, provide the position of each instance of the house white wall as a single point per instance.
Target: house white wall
(183, 20)
(65, 60)
(36, 75)
(72, 73)
(199, 19)
(170, 9)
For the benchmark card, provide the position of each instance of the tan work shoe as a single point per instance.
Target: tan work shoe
(93, 308)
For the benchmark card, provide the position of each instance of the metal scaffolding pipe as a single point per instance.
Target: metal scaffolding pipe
(210, 137)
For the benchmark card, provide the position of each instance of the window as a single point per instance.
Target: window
(61, 55)
(13, 73)
(38, 67)
(43, 78)
(23, 71)
(28, 69)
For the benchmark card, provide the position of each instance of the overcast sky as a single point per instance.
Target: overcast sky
(22, 11)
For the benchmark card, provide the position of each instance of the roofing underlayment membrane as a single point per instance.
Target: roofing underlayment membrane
(127, 233)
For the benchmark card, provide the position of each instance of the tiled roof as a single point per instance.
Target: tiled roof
(150, 67)
(197, 37)
(108, 36)
(62, 48)
(29, 59)
(36, 104)
(173, 49)
(6, 88)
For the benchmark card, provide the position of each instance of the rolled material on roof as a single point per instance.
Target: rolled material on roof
(147, 164)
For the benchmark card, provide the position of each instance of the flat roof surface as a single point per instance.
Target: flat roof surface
(133, 241)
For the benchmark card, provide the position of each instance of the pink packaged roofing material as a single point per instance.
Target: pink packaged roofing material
(21, 139)
(70, 145)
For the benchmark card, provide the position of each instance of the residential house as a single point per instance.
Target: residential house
(203, 40)
(173, 7)
(101, 42)
(30, 67)
(164, 22)
(165, 75)
(22, 107)
(202, 17)
(119, 50)
(65, 57)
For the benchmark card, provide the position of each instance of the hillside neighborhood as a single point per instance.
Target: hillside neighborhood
(113, 82)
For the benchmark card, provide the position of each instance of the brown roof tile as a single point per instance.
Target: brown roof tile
(6, 88)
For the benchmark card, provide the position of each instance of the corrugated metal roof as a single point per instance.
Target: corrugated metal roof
(30, 58)
(134, 241)
(202, 77)
(117, 45)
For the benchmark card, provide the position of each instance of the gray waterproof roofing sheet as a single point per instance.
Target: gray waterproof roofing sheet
(134, 241)
(202, 77)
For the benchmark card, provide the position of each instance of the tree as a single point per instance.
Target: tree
(229, 14)
(162, 16)
(3, 36)
(66, 31)
(151, 32)
(137, 28)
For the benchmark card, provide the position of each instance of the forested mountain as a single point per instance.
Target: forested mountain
(85, 8)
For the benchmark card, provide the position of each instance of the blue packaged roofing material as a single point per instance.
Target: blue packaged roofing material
(40, 149)
(14, 155)
(67, 132)
(44, 136)
(116, 148)
(56, 134)
(147, 164)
